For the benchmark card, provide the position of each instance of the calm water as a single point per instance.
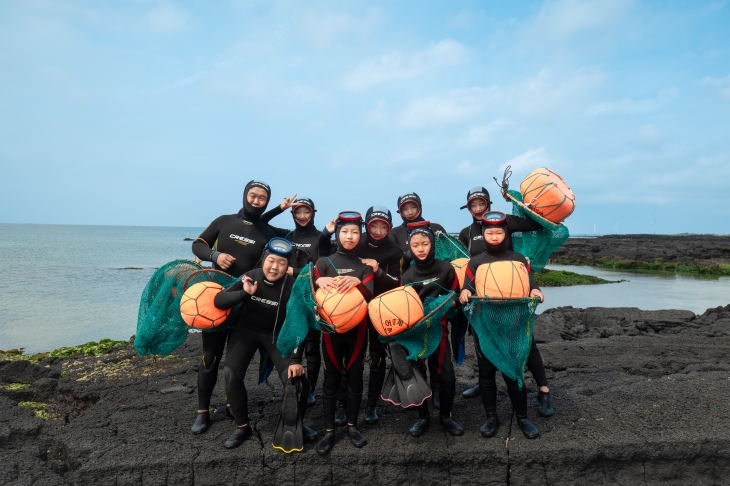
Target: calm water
(66, 285)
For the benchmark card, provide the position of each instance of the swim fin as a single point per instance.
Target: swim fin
(412, 386)
(389, 393)
(289, 434)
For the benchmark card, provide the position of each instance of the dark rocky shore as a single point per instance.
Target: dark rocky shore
(641, 397)
(671, 252)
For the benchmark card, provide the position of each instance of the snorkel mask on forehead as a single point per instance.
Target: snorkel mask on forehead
(494, 219)
(349, 217)
(279, 247)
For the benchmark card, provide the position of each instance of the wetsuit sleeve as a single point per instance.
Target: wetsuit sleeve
(464, 237)
(231, 296)
(325, 243)
(271, 213)
(296, 356)
(366, 286)
(533, 283)
(203, 246)
(385, 280)
(518, 224)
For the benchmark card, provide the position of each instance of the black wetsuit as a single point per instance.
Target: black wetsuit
(257, 325)
(243, 236)
(473, 239)
(487, 370)
(344, 351)
(440, 278)
(388, 255)
(310, 244)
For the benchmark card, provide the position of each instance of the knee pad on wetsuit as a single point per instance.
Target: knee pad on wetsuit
(210, 362)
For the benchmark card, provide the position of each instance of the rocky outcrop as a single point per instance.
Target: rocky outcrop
(641, 397)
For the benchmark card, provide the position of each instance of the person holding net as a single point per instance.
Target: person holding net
(430, 277)
(478, 203)
(494, 226)
(344, 351)
(264, 293)
(309, 245)
(234, 244)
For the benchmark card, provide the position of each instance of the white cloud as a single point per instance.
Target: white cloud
(322, 29)
(482, 134)
(631, 107)
(526, 162)
(166, 19)
(457, 106)
(721, 85)
(650, 135)
(562, 19)
(397, 65)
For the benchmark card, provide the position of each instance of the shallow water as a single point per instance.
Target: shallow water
(645, 290)
(67, 285)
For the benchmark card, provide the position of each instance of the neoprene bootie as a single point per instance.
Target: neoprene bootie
(371, 416)
(528, 428)
(545, 408)
(310, 435)
(452, 427)
(311, 399)
(325, 445)
(357, 439)
(472, 392)
(419, 427)
(201, 423)
(490, 427)
(436, 400)
(341, 415)
(237, 437)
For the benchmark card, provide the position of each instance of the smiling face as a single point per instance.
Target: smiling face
(257, 197)
(494, 236)
(378, 229)
(350, 236)
(410, 210)
(477, 207)
(303, 215)
(275, 267)
(420, 246)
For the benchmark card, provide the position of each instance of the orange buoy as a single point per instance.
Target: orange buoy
(502, 280)
(395, 311)
(197, 308)
(460, 265)
(343, 311)
(546, 193)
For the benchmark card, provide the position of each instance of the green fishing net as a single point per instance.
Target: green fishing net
(536, 246)
(300, 314)
(160, 327)
(449, 248)
(504, 330)
(424, 338)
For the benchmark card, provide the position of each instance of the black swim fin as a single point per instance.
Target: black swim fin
(389, 393)
(289, 434)
(412, 386)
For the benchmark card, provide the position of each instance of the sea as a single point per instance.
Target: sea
(63, 285)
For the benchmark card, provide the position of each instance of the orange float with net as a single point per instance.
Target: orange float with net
(197, 308)
(343, 311)
(460, 265)
(547, 194)
(502, 280)
(395, 311)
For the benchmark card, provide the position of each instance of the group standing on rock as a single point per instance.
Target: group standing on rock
(268, 260)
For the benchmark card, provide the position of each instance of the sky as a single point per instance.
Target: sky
(158, 113)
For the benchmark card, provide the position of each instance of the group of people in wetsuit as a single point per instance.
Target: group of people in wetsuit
(374, 261)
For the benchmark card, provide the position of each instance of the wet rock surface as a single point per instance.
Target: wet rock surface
(641, 397)
(690, 249)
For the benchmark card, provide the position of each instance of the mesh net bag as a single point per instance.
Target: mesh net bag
(424, 338)
(301, 313)
(504, 330)
(160, 328)
(536, 246)
(449, 248)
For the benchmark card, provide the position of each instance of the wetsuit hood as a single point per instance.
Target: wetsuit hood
(346, 218)
(422, 228)
(414, 198)
(248, 211)
(377, 213)
(478, 192)
(303, 201)
(490, 220)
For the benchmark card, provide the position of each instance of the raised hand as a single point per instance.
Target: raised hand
(249, 286)
(287, 202)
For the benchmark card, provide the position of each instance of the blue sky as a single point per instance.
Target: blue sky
(158, 113)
